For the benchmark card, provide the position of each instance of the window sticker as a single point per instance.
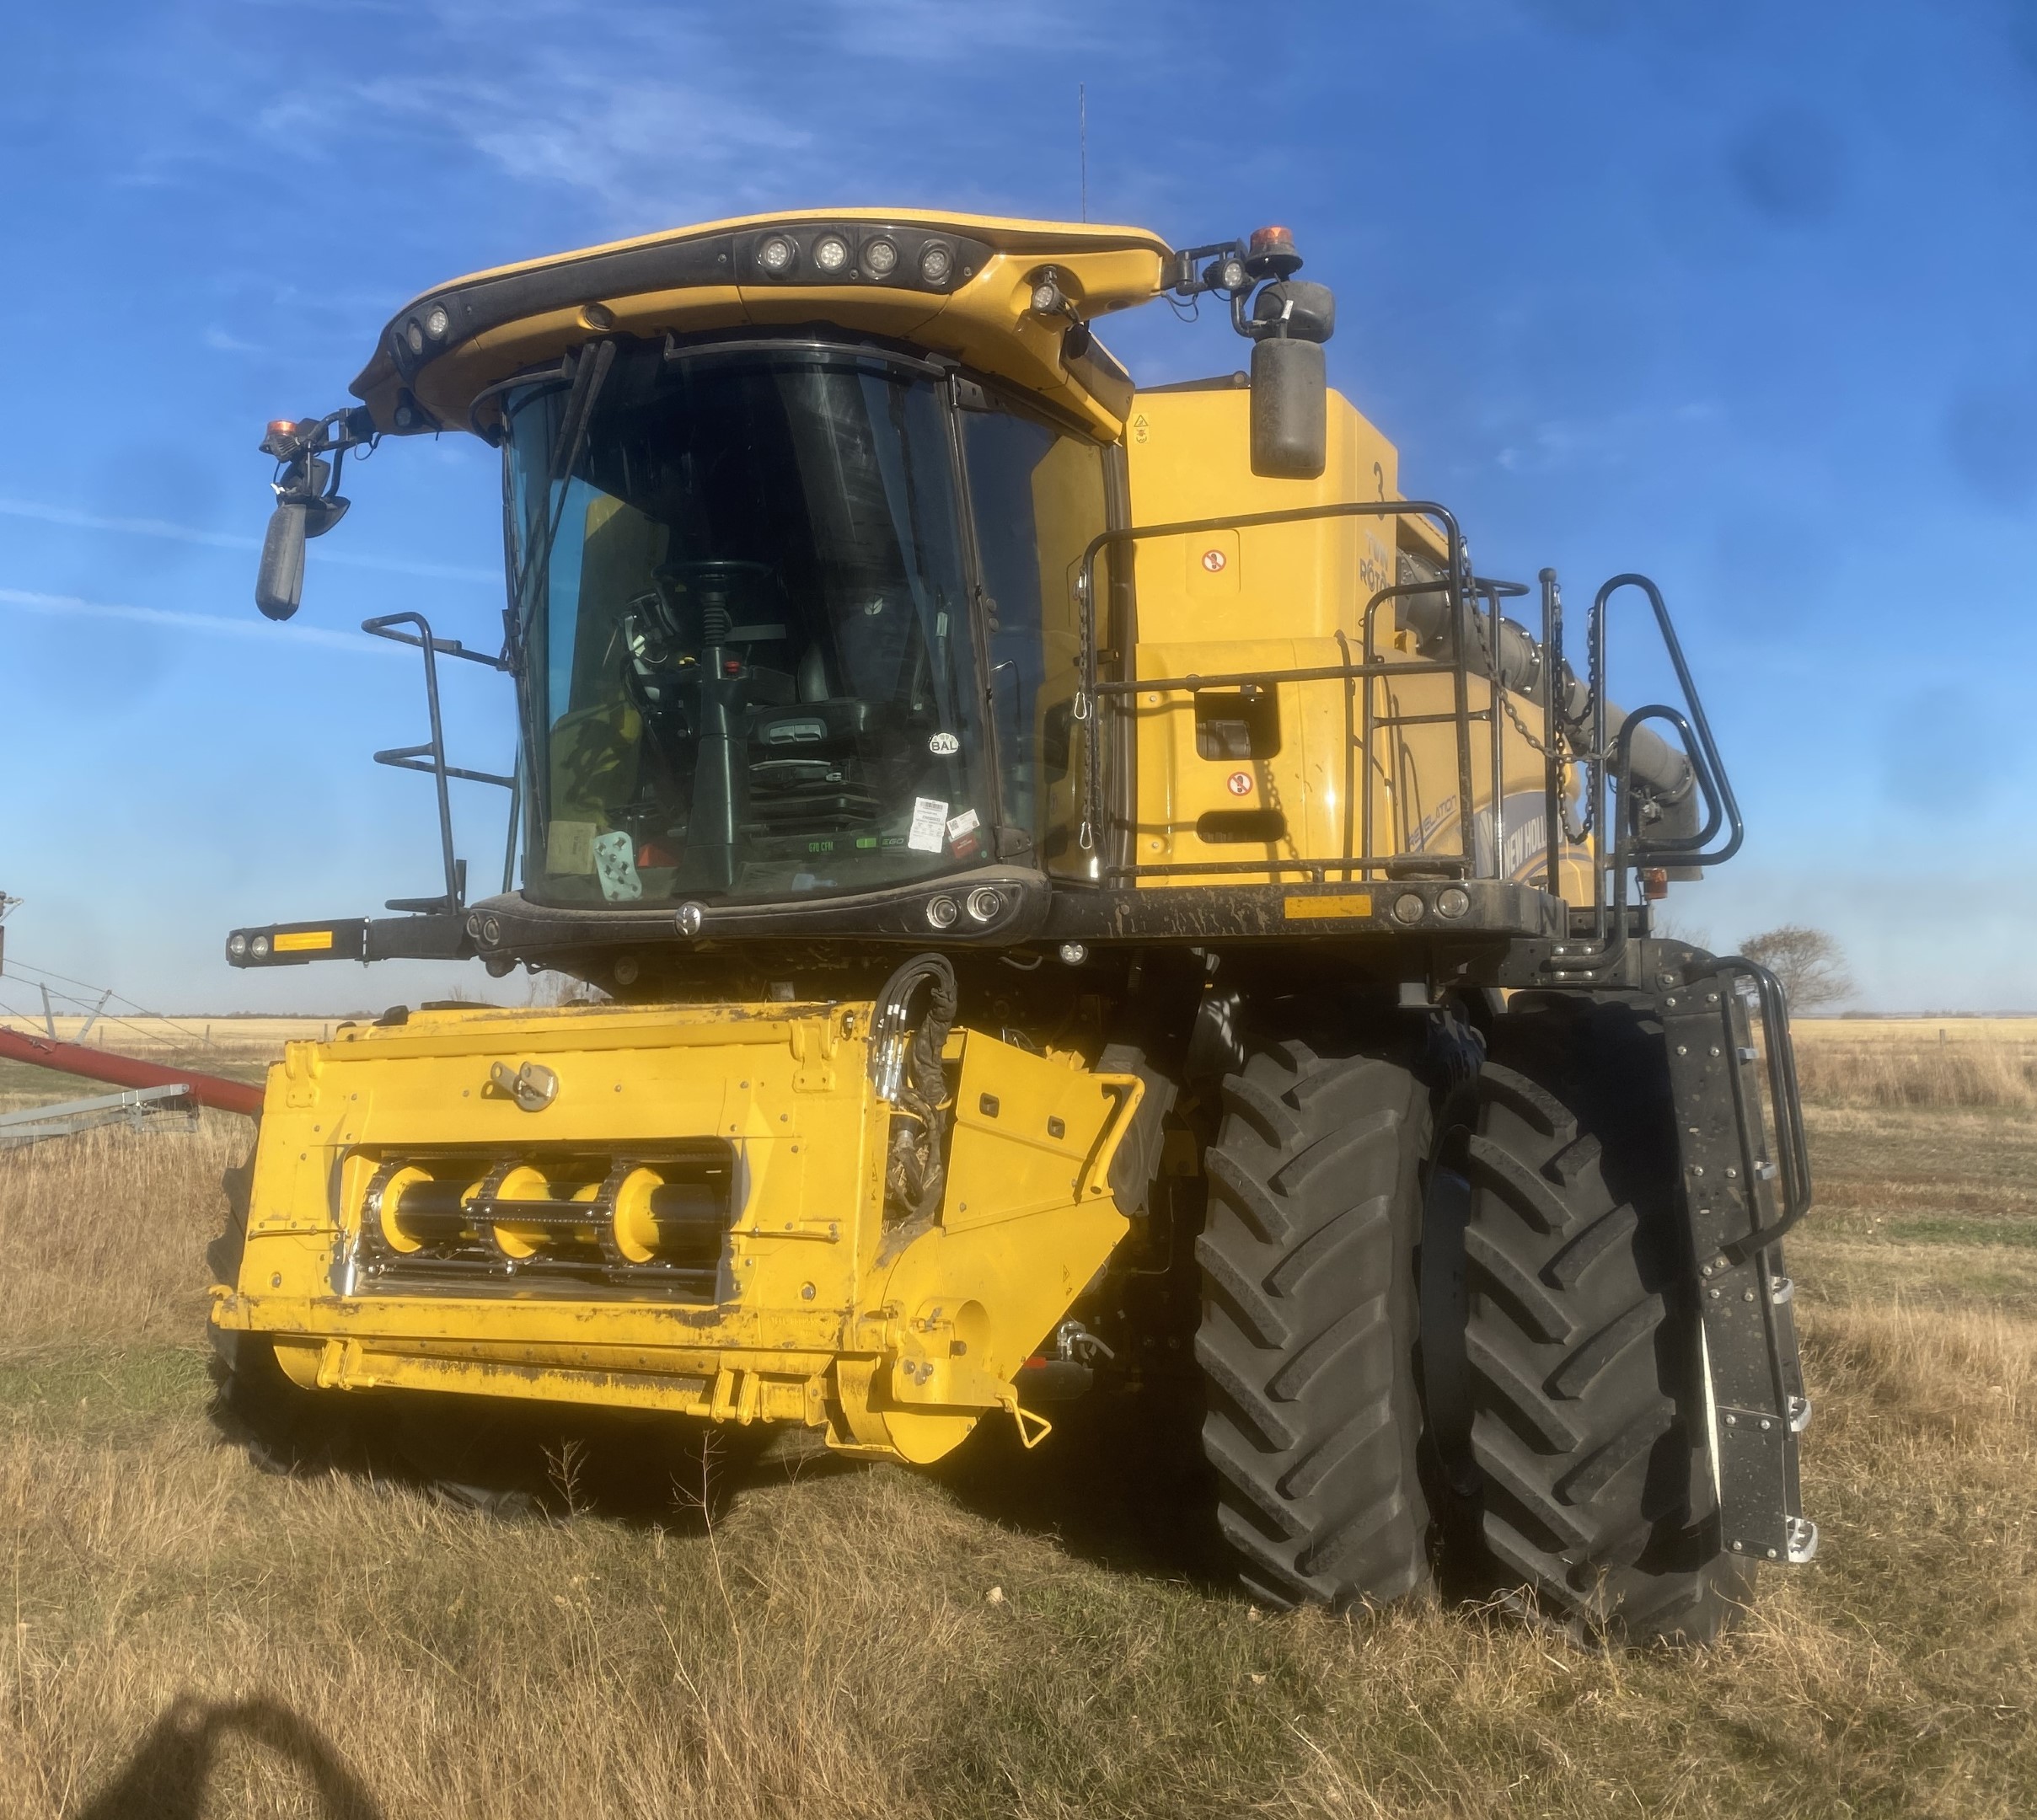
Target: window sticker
(930, 825)
(943, 745)
(615, 866)
(569, 849)
(962, 838)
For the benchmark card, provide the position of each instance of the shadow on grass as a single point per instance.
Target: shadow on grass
(1120, 1481)
(166, 1776)
(510, 1460)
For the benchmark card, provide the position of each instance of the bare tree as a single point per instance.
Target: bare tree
(549, 988)
(1810, 965)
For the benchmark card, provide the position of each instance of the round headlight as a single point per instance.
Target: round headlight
(936, 262)
(984, 903)
(438, 322)
(942, 912)
(260, 947)
(1047, 296)
(880, 257)
(237, 945)
(831, 252)
(414, 336)
(1074, 953)
(1453, 900)
(1233, 275)
(776, 255)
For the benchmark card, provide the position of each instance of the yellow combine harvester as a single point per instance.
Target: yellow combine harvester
(1096, 898)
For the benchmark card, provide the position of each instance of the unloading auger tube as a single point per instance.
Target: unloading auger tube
(1668, 793)
(1054, 941)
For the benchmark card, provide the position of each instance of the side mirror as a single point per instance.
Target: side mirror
(307, 502)
(1290, 410)
(279, 583)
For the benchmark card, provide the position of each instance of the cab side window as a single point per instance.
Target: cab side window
(1038, 499)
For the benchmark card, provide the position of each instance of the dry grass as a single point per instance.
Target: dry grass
(1978, 1072)
(189, 1635)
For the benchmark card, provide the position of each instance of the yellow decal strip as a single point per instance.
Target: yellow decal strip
(1341, 904)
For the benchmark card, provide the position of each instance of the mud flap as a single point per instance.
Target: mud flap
(1745, 1182)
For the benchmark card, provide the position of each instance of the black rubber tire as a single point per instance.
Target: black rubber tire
(1585, 1474)
(1307, 1338)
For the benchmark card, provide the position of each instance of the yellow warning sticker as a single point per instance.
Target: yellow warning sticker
(1338, 904)
(303, 940)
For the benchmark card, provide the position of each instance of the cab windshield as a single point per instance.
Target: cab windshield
(750, 661)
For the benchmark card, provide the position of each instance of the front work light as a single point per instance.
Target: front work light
(936, 261)
(880, 257)
(831, 253)
(776, 255)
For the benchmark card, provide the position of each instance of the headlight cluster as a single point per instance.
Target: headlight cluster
(986, 903)
(911, 258)
(430, 326)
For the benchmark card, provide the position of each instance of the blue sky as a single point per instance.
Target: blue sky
(1739, 294)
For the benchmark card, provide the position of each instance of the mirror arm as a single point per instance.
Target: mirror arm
(308, 500)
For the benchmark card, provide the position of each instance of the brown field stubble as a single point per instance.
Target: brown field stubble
(1918, 1061)
(189, 1635)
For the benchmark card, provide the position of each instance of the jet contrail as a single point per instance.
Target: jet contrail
(70, 607)
(161, 527)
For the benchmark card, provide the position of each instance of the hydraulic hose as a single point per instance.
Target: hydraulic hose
(906, 1068)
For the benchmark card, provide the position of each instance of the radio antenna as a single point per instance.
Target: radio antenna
(1082, 140)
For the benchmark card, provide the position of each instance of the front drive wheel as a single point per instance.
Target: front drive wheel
(1306, 1344)
(1567, 1393)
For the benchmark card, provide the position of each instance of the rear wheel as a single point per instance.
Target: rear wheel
(1568, 1405)
(1307, 1336)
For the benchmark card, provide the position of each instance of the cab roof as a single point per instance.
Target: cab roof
(952, 284)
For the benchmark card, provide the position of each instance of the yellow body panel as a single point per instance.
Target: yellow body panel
(895, 1339)
(1293, 596)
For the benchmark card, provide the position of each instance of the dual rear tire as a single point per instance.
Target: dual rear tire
(1447, 1329)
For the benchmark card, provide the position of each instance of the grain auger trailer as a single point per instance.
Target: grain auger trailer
(1097, 896)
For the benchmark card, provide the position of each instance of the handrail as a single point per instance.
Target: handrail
(1086, 593)
(430, 758)
(1793, 1149)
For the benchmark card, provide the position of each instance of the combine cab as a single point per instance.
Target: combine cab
(1097, 897)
